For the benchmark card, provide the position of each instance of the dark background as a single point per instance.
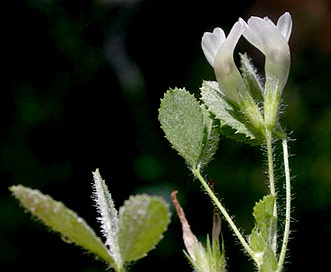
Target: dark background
(82, 82)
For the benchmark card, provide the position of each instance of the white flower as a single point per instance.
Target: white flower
(272, 41)
(219, 52)
(211, 43)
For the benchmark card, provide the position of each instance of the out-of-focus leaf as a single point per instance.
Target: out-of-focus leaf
(142, 221)
(108, 216)
(59, 218)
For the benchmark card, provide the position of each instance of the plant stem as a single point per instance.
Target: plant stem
(227, 217)
(120, 268)
(288, 206)
(271, 175)
(271, 165)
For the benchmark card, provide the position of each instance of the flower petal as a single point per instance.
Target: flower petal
(271, 40)
(262, 33)
(226, 71)
(284, 24)
(211, 43)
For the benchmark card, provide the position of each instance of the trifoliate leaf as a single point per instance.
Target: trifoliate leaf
(233, 123)
(62, 220)
(188, 127)
(108, 216)
(142, 221)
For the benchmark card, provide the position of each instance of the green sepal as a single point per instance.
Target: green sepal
(208, 259)
(142, 221)
(251, 78)
(189, 127)
(268, 97)
(217, 261)
(59, 218)
(272, 101)
(233, 123)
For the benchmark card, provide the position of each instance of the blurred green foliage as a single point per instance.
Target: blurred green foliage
(82, 82)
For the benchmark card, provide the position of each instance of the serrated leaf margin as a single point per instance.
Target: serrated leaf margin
(55, 215)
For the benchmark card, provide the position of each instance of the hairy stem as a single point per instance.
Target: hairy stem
(288, 206)
(227, 217)
(271, 175)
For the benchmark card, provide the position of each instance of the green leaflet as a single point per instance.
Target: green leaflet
(108, 217)
(62, 220)
(265, 219)
(188, 127)
(233, 123)
(142, 220)
(264, 234)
